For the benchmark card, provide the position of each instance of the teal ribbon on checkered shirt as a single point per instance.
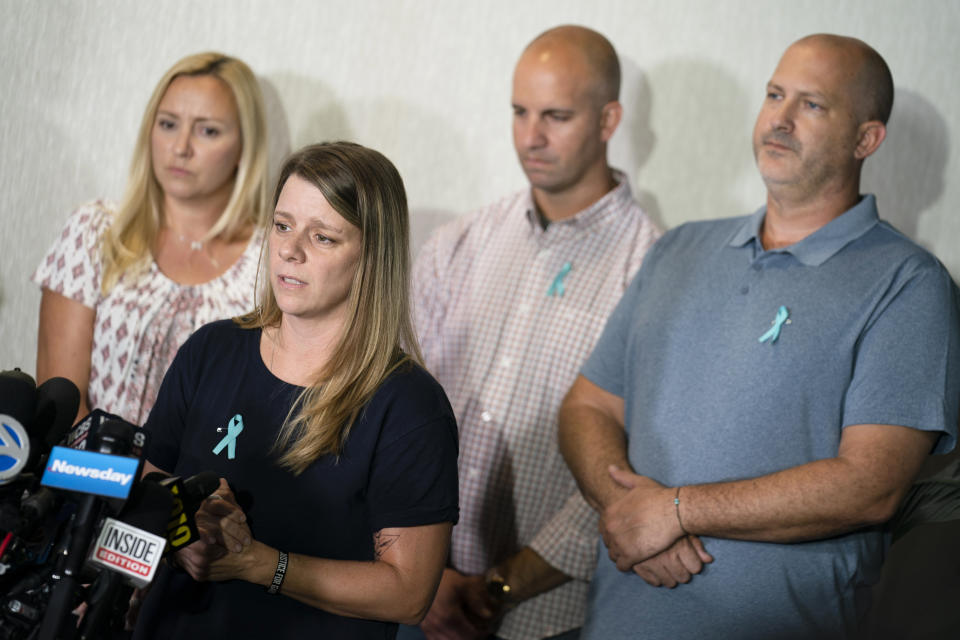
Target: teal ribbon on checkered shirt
(556, 288)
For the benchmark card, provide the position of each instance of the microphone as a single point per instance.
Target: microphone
(128, 550)
(85, 434)
(18, 395)
(35, 418)
(181, 527)
(133, 544)
(103, 471)
(58, 400)
(18, 399)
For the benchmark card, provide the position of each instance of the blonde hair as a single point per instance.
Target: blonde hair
(126, 245)
(365, 188)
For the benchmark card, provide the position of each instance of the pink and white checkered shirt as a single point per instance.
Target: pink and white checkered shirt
(506, 313)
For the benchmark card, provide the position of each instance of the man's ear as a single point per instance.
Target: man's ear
(610, 116)
(869, 136)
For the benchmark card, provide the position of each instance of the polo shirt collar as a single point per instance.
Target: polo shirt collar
(823, 243)
(594, 214)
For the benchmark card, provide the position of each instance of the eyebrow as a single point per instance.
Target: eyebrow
(171, 114)
(564, 110)
(313, 222)
(804, 94)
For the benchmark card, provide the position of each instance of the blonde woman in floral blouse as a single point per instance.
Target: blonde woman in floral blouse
(124, 286)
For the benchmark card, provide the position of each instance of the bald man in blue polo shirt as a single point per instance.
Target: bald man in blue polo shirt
(770, 383)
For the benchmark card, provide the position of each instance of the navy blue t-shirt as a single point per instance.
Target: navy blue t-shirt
(398, 469)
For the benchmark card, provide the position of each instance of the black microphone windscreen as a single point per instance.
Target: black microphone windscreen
(155, 476)
(148, 508)
(58, 400)
(18, 396)
(201, 485)
(115, 437)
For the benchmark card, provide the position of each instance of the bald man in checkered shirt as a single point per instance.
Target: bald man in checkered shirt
(509, 301)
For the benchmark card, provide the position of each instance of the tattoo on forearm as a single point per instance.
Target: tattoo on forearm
(383, 541)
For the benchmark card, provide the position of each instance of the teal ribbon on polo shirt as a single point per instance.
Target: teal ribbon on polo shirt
(774, 332)
(230, 440)
(556, 288)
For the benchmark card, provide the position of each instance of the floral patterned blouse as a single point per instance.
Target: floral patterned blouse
(140, 324)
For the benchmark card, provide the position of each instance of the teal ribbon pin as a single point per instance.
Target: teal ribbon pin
(556, 288)
(783, 317)
(230, 440)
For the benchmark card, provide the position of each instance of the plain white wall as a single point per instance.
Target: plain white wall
(427, 82)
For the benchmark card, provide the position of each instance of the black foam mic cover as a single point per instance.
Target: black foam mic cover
(18, 396)
(114, 437)
(201, 485)
(148, 507)
(58, 400)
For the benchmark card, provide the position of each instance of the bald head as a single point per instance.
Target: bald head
(581, 50)
(871, 83)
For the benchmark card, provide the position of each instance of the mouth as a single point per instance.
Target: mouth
(290, 281)
(534, 163)
(178, 171)
(779, 144)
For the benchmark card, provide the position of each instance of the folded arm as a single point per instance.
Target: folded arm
(861, 486)
(592, 439)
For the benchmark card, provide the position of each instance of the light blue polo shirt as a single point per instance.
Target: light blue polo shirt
(871, 336)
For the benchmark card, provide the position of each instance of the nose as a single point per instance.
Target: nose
(182, 145)
(783, 114)
(289, 248)
(528, 132)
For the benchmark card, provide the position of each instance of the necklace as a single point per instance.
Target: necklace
(195, 245)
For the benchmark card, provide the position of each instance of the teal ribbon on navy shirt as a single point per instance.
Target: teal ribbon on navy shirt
(230, 440)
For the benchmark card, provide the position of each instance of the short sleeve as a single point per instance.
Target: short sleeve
(432, 277)
(413, 480)
(606, 365)
(71, 267)
(425, 289)
(907, 368)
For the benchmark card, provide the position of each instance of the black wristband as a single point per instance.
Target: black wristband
(274, 587)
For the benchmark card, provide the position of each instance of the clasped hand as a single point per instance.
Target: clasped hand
(642, 534)
(461, 610)
(225, 539)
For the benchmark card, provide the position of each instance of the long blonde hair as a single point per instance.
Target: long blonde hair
(365, 188)
(126, 246)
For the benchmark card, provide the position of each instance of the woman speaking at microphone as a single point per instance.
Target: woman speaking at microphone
(340, 450)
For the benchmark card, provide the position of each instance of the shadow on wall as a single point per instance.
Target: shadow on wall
(278, 130)
(312, 111)
(703, 122)
(422, 224)
(429, 152)
(632, 145)
(304, 111)
(907, 173)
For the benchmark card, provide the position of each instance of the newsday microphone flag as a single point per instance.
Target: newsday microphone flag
(90, 472)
